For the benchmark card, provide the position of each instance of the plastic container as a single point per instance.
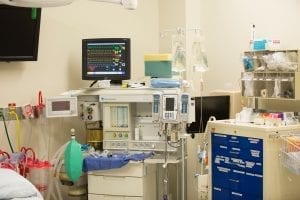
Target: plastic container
(259, 44)
(158, 65)
(39, 175)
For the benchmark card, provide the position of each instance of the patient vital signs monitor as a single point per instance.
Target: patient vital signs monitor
(106, 59)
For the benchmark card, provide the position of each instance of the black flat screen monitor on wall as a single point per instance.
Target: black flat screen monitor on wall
(19, 33)
(106, 59)
(207, 106)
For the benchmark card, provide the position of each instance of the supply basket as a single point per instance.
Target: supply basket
(290, 153)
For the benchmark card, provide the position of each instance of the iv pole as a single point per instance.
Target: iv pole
(181, 32)
(183, 168)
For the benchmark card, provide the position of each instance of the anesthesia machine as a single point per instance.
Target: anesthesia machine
(142, 120)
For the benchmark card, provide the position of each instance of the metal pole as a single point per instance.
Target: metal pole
(183, 168)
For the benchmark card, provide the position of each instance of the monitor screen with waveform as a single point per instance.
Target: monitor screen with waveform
(106, 59)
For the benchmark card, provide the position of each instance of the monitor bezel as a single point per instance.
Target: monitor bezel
(112, 77)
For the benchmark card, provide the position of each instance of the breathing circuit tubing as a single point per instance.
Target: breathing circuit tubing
(57, 162)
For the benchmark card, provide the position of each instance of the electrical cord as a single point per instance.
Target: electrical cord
(12, 112)
(93, 83)
(7, 135)
(201, 115)
(171, 144)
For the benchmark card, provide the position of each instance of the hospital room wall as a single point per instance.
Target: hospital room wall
(227, 29)
(226, 26)
(58, 68)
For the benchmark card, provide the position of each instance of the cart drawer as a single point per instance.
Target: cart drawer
(131, 169)
(110, 197)
(116, 185)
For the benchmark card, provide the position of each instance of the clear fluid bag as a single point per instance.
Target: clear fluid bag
(179, 52)
(198, 55)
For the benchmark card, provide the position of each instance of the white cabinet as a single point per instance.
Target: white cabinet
(271, 74)
(109, 197)
(135, 181)
(279, 85)
(272, 60)
(271, 79)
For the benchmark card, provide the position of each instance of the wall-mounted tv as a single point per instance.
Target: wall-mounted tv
(19, 33)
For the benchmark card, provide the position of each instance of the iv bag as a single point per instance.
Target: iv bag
(73, 158)
(178, 53)
(198, 57)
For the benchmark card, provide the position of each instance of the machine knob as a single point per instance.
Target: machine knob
(89, 109)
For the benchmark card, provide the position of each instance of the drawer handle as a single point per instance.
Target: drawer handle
(112, 197)
(113, 177)
(234, 141)
(233, 180)
(237, 194)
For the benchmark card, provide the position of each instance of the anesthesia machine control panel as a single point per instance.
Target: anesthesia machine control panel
(140, 119)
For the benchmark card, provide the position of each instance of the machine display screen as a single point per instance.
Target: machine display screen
(170, 104)
(106, 59)
(60, 105)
